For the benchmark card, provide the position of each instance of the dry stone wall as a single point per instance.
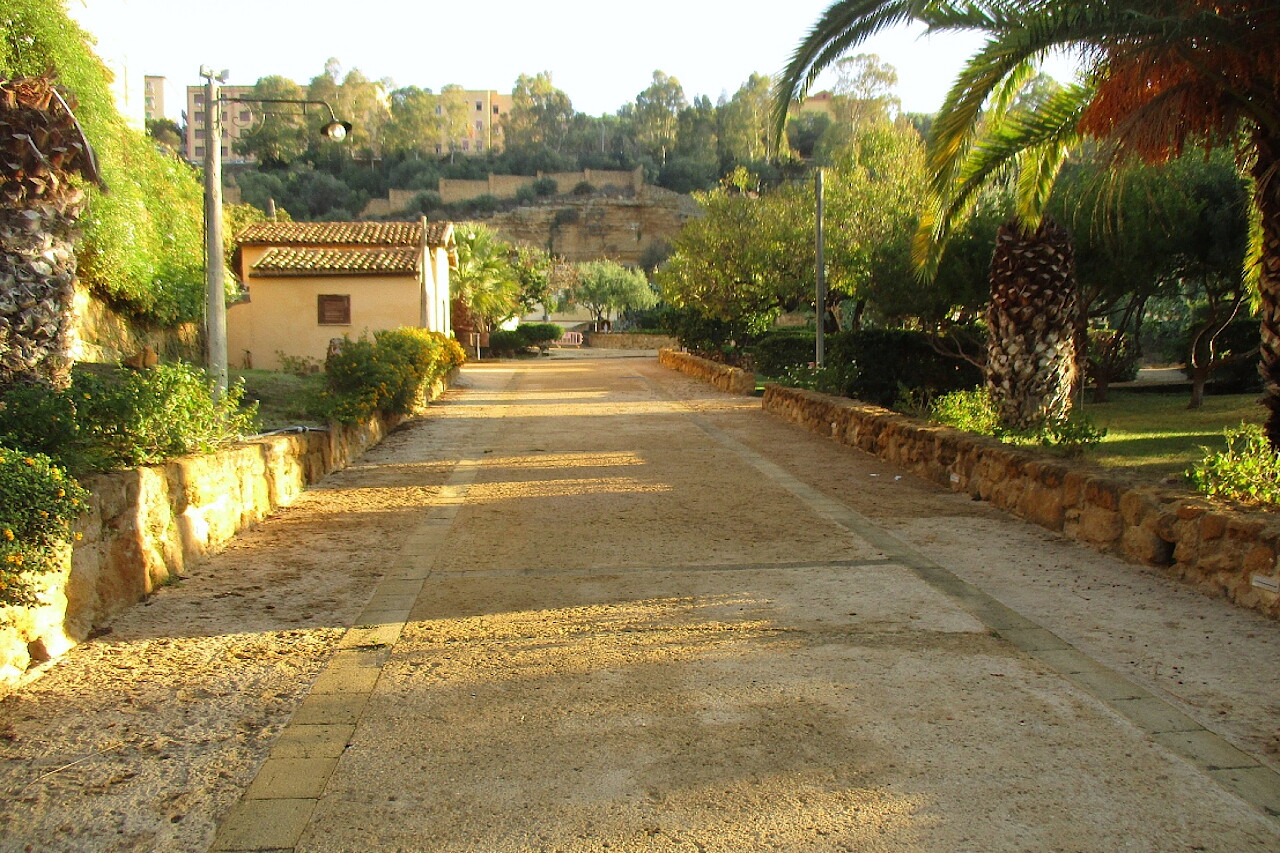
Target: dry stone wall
(148, 525)
(624, 340)
(735, 380)
(1230, 552)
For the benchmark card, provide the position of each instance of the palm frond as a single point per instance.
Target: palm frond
(842, 27)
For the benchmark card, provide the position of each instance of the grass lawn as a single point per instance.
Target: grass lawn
(1153, 436)
(281, 397)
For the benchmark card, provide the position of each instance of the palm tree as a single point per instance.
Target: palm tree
(486, 289)
(43, 149)
(1161, 75)
(1021, 137)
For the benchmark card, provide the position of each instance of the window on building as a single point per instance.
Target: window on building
(439, 149)
(479, 146)
(199, 150)
(439, 110)
(495, 110)
(479, 106)
(479, 125)
(199, 100)
(333, 310)
(466, 145)
(245, 116)
(226, 152)
(199, 133)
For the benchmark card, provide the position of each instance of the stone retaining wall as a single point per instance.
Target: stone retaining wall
(1221, 551)
(732, 379)
(146, 526)
(625, 340)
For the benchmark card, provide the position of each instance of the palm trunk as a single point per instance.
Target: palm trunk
(41, 144)
(1266, 175)
(1031, 355)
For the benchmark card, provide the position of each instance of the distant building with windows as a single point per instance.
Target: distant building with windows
(236, 120)
(485, 111)
(153, 97)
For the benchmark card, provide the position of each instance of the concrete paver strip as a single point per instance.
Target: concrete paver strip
(639, 632)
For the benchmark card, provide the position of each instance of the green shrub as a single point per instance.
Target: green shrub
(974, 412)
(38, 502)
(971, 411)
(384, 374)
(1247, 470)
(777, 351)
(506, 342)
(545, 186)
(526, 194)
(147, 416)
(889, 360)
(122, 418)
(539, 334)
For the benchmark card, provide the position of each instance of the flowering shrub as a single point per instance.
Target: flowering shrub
(384, 374)
(39, 502)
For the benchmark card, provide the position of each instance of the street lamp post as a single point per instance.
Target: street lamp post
(215, 265)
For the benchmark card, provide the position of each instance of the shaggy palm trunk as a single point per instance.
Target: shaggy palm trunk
(1031, 355)
(1266, 175)
(40, 146)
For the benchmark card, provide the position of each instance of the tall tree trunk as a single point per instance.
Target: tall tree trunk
(1266, 175)
(1031, 355)
(41, 145)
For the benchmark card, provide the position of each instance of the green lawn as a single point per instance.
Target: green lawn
(281, 397)
(1154, 436)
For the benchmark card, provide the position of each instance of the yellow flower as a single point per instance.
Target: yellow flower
(8, 534)
(30, 461)
(79, 536)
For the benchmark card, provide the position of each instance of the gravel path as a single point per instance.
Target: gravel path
(638, 614)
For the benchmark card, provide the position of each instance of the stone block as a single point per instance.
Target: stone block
(1213, 525)
(1099, 526)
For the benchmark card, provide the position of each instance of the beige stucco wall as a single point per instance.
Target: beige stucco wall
(280, 315)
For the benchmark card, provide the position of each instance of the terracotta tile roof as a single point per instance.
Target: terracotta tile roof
(294, 261)
(345, 234)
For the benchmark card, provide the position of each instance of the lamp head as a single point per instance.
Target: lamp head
(336, 130)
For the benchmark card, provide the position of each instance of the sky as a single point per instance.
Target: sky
(599, 54)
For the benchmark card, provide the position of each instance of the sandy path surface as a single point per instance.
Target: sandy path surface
(645, 617)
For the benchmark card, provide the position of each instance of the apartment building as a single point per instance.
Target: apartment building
(153, 97)
(236, 119)
(485, 111)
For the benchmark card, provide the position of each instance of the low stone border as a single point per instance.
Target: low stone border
(147, 525)
(628, 340)
(735, 380)
(1221, 551)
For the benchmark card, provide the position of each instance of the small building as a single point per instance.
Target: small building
(307, 283)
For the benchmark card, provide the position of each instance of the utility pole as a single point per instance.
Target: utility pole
(820, 356)
(215, 317)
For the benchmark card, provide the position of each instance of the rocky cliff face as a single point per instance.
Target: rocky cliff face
(597, 227)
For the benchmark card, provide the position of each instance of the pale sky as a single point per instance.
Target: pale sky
(601, 54)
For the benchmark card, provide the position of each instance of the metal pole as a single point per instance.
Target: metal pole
(820, 356)
(215, 266)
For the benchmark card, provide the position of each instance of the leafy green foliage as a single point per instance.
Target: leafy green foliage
(971, 411)
(540, 334)
(1247, 470)
(889, 360)
(40, 502)
(507, 342)
(773, 354)
(385, 374)
(974, 411)
(606, 287)
(122, 418)
(142, 245)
